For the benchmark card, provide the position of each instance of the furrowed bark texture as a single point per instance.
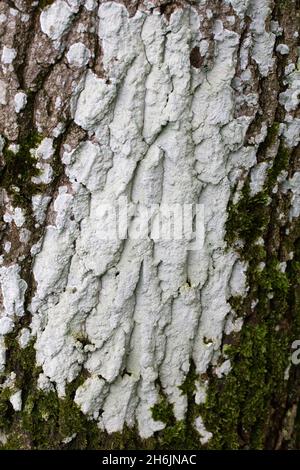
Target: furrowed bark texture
(143, 343)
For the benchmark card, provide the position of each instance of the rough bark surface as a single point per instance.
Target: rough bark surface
(144, 343)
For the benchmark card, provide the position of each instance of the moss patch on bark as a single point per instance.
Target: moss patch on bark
(19, 168)
(241, 407)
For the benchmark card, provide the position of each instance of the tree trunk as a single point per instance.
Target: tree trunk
(136, 340)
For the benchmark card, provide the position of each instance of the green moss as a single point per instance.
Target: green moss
(19, 169)
(239, 407)
(271, 139)
(6, 409)
(163, 411)
(284, 4)
(188, 387)
(174, 433)
(45, 419)
(178, 434)
(272, 279)
(281, 163)
(175, 437)
(248, 218)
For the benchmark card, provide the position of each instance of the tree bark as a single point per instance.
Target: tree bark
(144, 341)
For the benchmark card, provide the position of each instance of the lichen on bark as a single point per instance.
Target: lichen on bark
(144, 343)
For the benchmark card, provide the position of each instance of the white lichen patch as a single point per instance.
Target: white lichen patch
(291, 130)
(44, 384)
(2, 353)
(15, 215)
(16, 400)
(3, 92)
(39, 206)
(24, 337)
(201, 392)
(55, 19)
(13, 290)
(45, 173)
(240, 6)
(90, 396)
(78, 55)
(20, 100)
(7, 247)
(205, 435)
(293, 185)
(90, 4)
(8, 55)
(263, 40)
(6, 325)
(258, 177)
(223, 369)
(45, 150)
(69, 439)
(283, 49)
(290, 98)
